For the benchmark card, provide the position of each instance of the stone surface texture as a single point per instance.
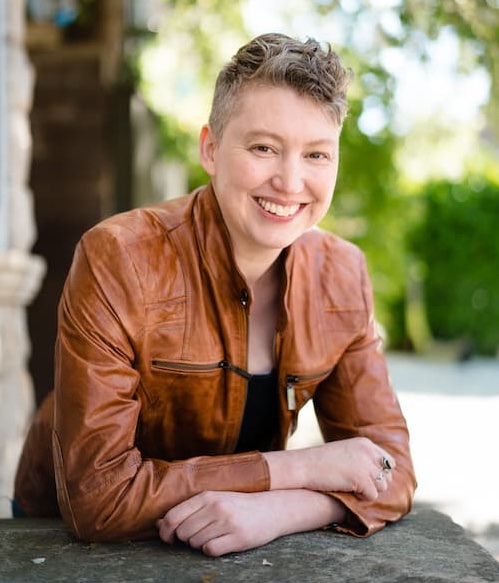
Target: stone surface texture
(425, 547)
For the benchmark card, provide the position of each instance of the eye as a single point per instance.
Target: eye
(319, 156)
(261, 148)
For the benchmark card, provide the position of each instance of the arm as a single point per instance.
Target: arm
(358, 401)
(362, 423)
(348, 465)
(106, 489)
(224, 522)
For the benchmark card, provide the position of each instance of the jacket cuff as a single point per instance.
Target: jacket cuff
(354, 523)
(245, 472)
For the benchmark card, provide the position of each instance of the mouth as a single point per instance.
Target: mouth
(279, 210)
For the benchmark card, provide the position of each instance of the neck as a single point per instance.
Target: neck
(255, 268)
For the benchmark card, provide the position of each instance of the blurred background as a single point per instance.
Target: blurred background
(101, 102)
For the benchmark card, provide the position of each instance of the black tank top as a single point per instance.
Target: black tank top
(260, 413)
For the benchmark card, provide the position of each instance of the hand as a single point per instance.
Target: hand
(220, 522)
(224, 522)
(350, 465)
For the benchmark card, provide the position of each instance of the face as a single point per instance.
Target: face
(273, 170)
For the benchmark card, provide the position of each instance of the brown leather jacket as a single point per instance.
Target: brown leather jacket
(150, 385)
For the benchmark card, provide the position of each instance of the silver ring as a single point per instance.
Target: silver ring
(380, 477)
(386, 463)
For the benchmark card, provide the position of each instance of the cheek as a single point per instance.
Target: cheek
(324, 191)
(235, 174)
(250, 175)
(324, 188)
(250, 172)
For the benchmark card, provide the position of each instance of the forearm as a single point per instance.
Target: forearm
(349, 465)
(224, 522)
(351, 472)
(304, 510)
(286, 469)
(127, 506)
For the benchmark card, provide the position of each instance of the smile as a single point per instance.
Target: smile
(278, 209)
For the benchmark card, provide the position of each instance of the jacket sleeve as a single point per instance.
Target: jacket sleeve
(357, 400)
(106, 490)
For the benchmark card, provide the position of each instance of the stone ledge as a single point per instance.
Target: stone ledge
(425, 547)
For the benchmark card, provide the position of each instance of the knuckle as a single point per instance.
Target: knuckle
(207, 496)
(181, 535)
(218, 505)
(365, 444)
(168, 521)
(193, 542)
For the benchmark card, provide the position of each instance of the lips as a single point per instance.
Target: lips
(278, 210)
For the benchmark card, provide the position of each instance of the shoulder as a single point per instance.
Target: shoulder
(330, 266)
(321, 248)
(140, 225)
(136, 249)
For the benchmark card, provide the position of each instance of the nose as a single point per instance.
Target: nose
(288, 177)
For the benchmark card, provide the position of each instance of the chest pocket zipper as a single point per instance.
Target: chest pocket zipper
(292, 380)
(191, 367)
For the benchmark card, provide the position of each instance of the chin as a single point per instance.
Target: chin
(279, 243)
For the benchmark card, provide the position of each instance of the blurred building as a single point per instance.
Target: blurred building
(67, 107)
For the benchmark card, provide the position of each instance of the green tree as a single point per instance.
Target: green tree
(178, 67)
(368, 207)
(476, 24)
(457, 241)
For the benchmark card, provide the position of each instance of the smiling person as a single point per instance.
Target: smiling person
(190, 335)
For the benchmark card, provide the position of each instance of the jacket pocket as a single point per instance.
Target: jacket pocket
(186, 367)
(346, 320)
(300, 388)
(189, 367)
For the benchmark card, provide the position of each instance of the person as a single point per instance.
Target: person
(191, 333)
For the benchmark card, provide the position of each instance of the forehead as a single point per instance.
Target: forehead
(267, 105)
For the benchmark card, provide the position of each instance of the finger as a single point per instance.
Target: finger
(191, 526)
(380, 481)
(166, 533)
(195, 529)
(202, 536)
(388, 464)
(388, 476)
(386, 461)
(222, 545)
(368, 491)
(180, 512)
(168, 525)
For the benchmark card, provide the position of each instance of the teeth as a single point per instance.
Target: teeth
(278, 209)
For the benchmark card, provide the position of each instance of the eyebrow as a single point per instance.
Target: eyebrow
(254, 134)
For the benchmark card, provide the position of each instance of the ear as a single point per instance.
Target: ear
(207, 149)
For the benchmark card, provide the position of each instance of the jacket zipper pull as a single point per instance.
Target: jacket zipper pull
(226, 365)
(290, 392)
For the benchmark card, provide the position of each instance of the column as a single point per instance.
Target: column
(21, 273)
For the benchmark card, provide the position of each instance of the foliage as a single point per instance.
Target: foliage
(476, 23)
(179, 66)
(369, 210)
(375, 204)
(458, 243)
